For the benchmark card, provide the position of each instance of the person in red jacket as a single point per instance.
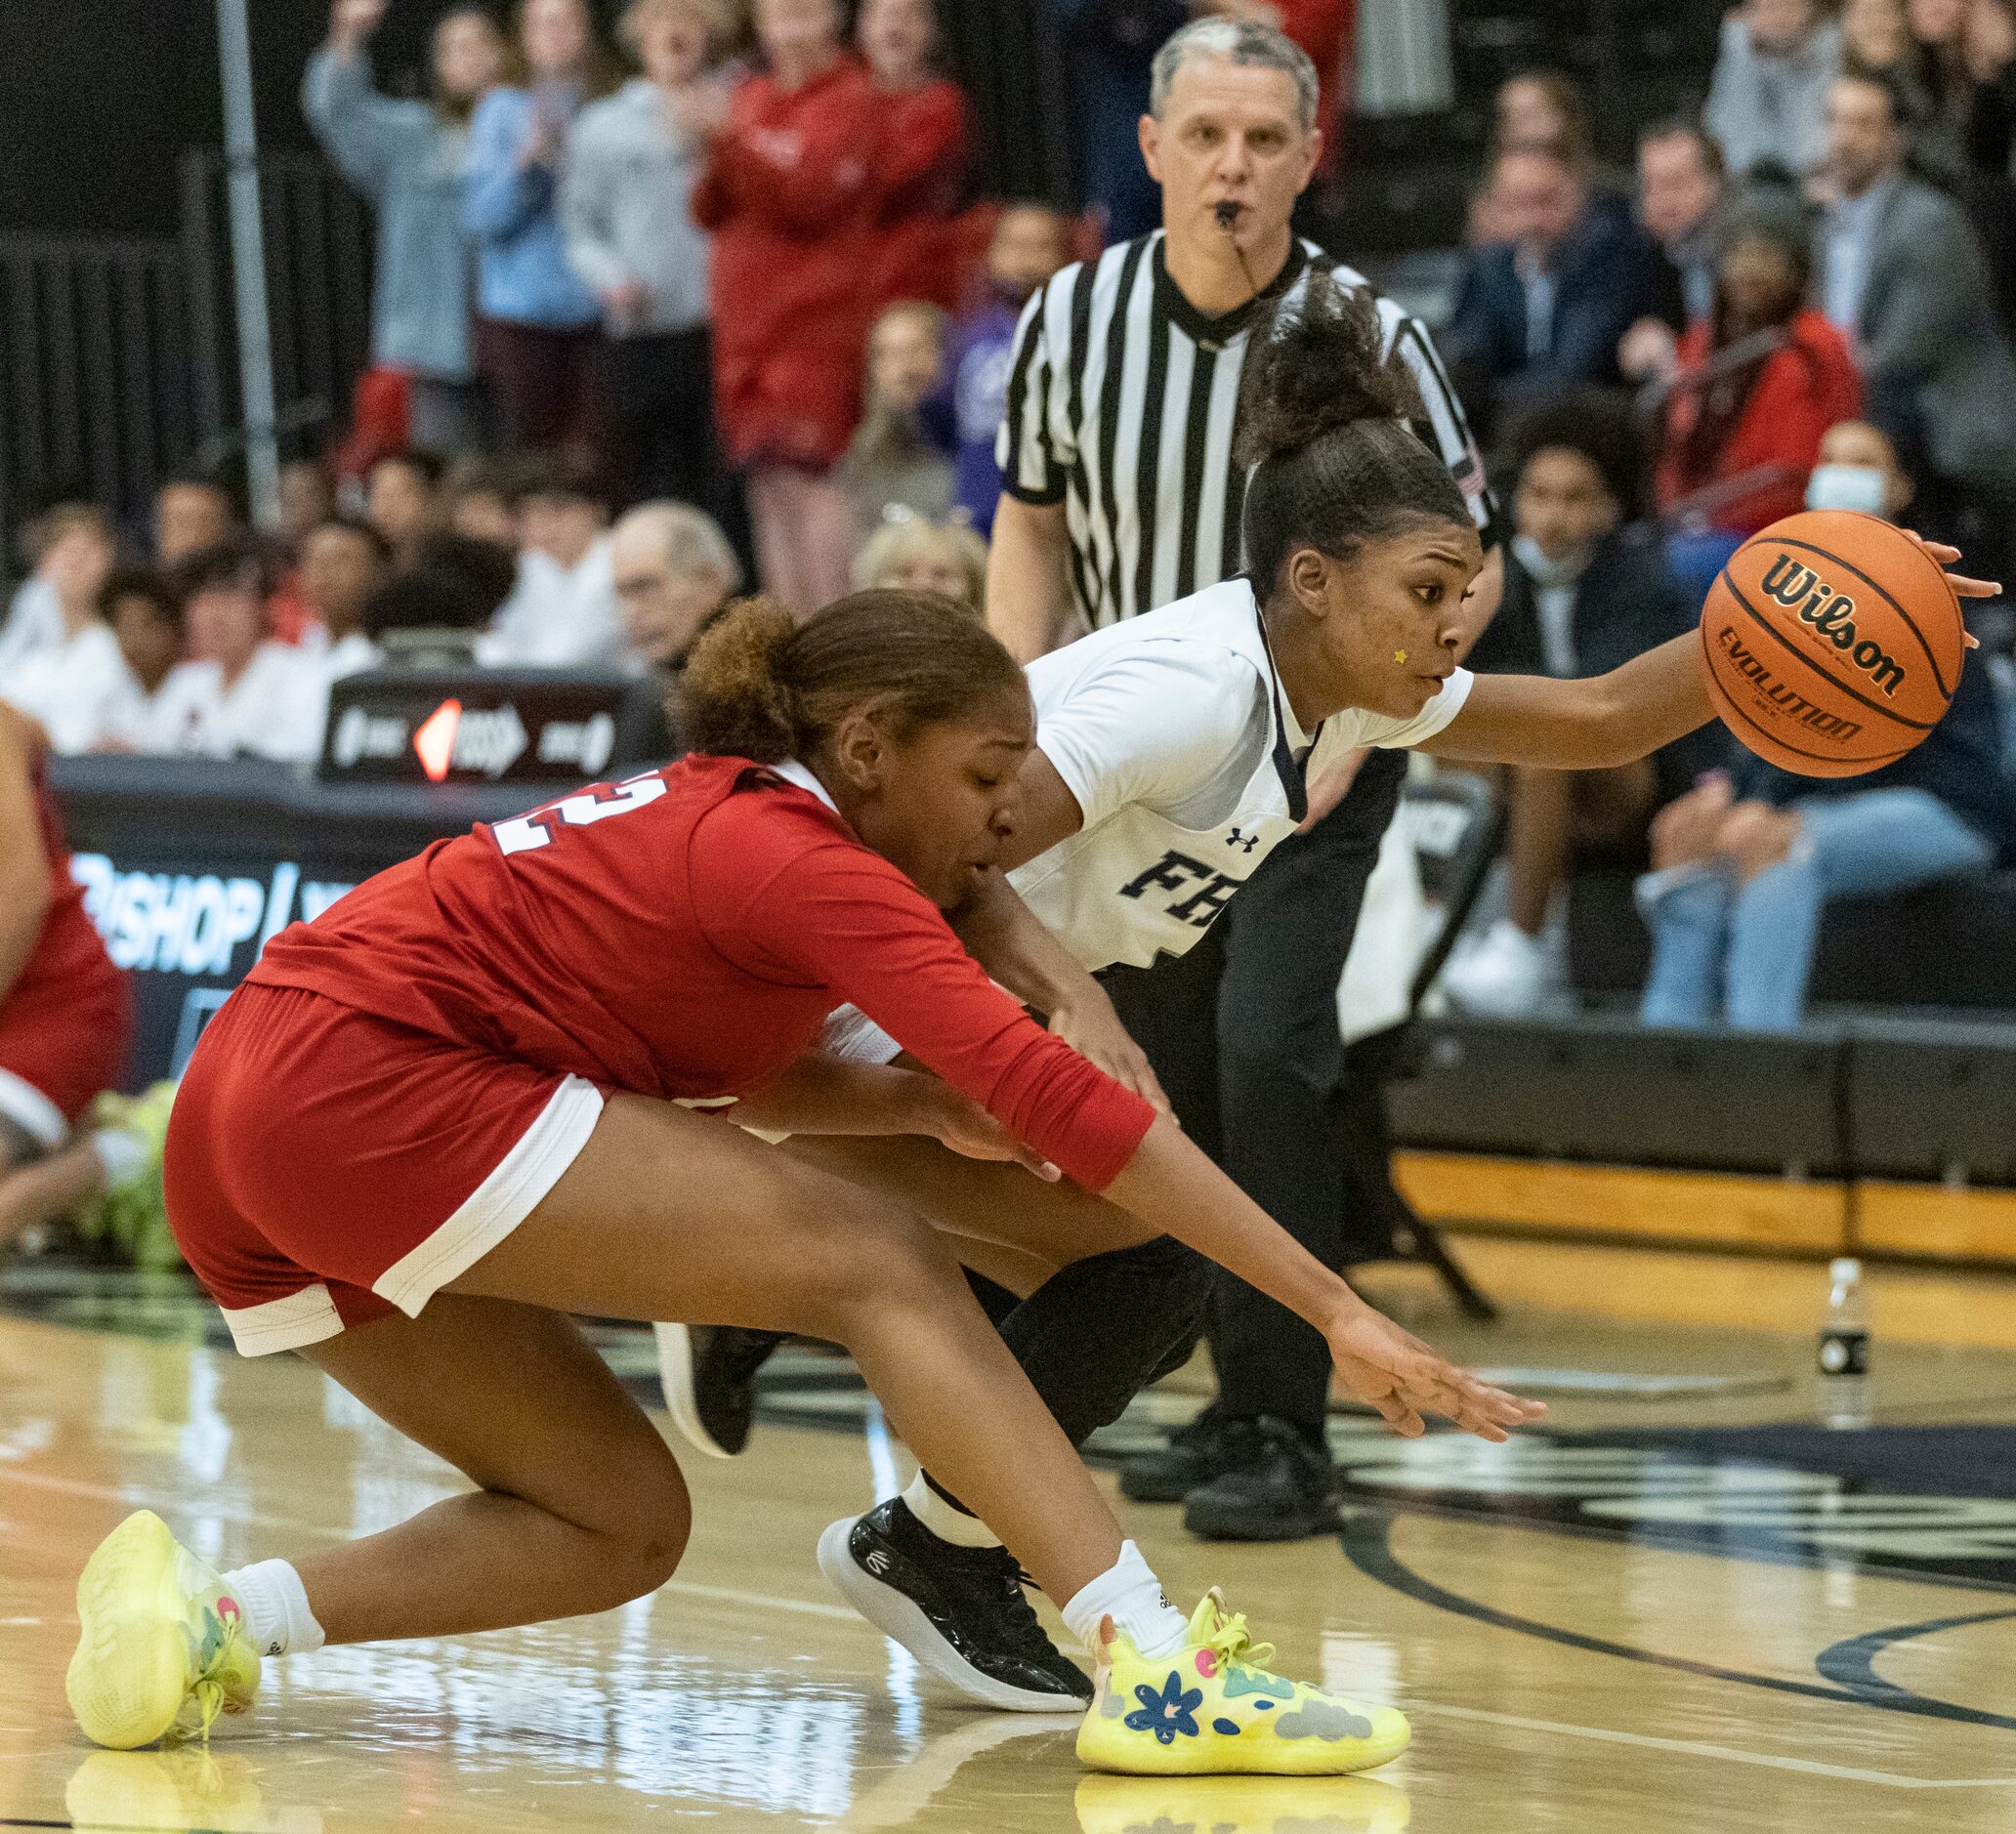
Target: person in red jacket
(788, 192)
(920, 156)
(1757, 383)
(461, 1104)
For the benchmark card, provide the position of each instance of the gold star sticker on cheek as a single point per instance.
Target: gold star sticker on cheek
(1400, 656)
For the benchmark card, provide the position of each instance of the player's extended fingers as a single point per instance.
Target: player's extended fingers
(1946, 555)
(1404, 1418)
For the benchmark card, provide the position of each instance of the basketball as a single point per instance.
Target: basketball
(1832, 643)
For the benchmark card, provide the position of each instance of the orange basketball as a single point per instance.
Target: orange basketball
(1832, 643)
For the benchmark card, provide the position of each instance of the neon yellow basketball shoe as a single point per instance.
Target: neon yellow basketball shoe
(1214, 1706)
(161, 1649)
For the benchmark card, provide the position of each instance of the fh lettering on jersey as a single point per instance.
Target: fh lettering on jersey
(193, 923)
(1199, 892)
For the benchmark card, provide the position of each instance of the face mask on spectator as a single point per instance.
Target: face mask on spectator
(1547, 573)
(1860, 487)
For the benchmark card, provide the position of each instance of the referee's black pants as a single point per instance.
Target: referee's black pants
(1242, 1034)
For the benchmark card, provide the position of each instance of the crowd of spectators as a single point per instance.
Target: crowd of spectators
(1805, 303)
(716, 307)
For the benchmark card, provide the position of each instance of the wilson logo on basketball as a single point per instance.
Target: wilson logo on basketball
(1788, 700)
(1798, 588)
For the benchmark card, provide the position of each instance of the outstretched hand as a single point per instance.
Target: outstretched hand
(968, 1130)
(1963, 587)
(1404, 1379)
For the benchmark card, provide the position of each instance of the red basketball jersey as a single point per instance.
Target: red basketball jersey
(685, 933)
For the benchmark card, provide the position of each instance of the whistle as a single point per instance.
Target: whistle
(1228, 214)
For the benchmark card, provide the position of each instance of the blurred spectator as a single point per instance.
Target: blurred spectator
(535, 328)
(1758, 382)
(1962, 58)
(476, 500)
(308, 497)
(1680, 183)
(789, 180)
(402, 498)
(1857, 469)
(191, 514)
(437, 612)
(238, 694)
(561, 614)
(1744, 865)
(342, 561)
(1586, 589)
(68, 550)
(1876, 36)
(1768, 103)
(66, 684)
(1905, 282)
(145, 620)
(674, 571)
(1029, 246)
(1111, 47)
(901, 454)
(411, 159)
(1543, 108)
(920, 158)
(626, 200)
(914, 555)
(1551, 303)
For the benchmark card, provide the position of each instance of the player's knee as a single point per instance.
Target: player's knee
(647, 1540)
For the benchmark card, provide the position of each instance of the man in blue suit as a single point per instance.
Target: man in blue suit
(1546, 307)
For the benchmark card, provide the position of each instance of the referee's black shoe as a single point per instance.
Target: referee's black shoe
(708, 1373)
(1205, 1448)
(1284, 1488)
(960, 1611)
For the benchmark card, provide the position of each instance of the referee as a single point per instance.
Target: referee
(1120, 496)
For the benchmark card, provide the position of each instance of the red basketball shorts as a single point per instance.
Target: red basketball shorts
(62, 1041)
(325, 1167)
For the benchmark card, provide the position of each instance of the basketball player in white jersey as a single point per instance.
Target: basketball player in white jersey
(1172, 753)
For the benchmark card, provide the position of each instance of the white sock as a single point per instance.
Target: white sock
(273, 1607)
(1128, 1593)
(944, 1520)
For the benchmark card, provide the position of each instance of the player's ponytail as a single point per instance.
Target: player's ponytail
(1327, 422)
(759, 685)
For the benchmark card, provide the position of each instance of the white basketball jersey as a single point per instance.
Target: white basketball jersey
(1189, 765)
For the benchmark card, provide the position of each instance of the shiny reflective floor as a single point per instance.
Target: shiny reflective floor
(1651, 1619)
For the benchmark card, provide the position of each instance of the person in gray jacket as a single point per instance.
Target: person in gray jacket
(632, 161)
(408, 157)
(1904, 278)
(1768, 103)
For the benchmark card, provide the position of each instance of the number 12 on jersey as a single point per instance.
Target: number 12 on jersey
(522, 834)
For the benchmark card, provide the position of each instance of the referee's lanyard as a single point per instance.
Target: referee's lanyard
(1286, 766)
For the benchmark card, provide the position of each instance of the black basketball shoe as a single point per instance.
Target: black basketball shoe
(960, 1611)
(708, 1373)
(1283, 1487)
(1195, 1454)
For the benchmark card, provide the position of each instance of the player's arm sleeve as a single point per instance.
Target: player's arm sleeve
(834, 914)
(1389, 734)
(1151, 728)
(1032, 469)
(1447, 424)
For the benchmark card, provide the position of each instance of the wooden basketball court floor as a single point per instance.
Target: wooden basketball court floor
(1649, 1617)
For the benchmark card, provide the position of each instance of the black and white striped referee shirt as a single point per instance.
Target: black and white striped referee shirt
(1120, 406)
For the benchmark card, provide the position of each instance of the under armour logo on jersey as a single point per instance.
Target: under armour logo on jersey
(1241, 839)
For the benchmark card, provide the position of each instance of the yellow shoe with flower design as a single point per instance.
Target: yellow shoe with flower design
(161, 1649)
(1214, 1706)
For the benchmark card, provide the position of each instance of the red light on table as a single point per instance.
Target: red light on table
(434, 744)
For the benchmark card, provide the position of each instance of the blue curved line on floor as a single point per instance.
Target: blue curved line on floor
(1367, 1544)
(1852, 1662)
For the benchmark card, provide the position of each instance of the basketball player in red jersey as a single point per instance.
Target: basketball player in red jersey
(66, 1012)
(451, 1111)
